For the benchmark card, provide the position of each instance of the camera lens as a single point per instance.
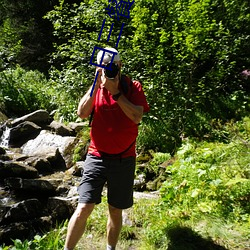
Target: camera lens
(111, 70)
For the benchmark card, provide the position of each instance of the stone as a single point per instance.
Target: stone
(61, 129)
(16, 169)
(48, 142)
(140, 182)
(56, 160)
(3, 210)
(60, 208)
(4, 158)
(17, 230)
(23, 211)
(41, 164)
(39, 117)
(22, 133)
(76, 170)
(36, 187)
(44, 223)
(73, 192)
(4, 135)
(78, 126)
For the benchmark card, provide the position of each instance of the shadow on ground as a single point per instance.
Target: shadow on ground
(184, 238)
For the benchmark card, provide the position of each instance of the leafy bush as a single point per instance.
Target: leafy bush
(24, 91)
(53, 240)
(212, 178)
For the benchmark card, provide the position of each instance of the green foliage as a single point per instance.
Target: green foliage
(77, 30)
(24, 91)
(52, 240)
(82, 146)
(10, 44)
(188, 56)
(167, 139)
(194, 69)
(212, 178)
(206, 197)
(159, 158)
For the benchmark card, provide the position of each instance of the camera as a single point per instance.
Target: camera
(111, 70)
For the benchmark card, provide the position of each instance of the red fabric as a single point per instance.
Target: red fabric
(112, 131)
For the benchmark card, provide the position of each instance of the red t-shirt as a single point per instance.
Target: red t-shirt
(112, 132)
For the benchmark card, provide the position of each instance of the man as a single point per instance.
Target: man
(118, 105)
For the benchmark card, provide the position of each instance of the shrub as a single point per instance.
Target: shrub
(211, 178)
(24, 91)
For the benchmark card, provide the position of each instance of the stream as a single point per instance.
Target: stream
(4, 139)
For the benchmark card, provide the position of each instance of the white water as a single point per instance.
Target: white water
(4, 140)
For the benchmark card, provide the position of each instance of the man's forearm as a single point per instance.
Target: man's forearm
(86, 104)
(132, 111)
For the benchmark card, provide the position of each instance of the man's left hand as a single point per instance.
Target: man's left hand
(111, 84)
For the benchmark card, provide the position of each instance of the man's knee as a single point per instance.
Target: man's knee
(113, 211)
(83, 210)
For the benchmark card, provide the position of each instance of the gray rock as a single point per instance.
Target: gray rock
(48, 142)
(39, 117)
(44, 223)
(140, 182)
(32, 186)
(60, 208)
(17, 230)
(78, 126)
(16, 169)
(61, 129)
(23, 132)
(42, 165)
(23, 211)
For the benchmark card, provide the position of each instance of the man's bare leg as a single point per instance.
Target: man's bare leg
(114, 225)
(77, 224)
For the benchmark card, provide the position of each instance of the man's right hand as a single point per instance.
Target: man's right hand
(99, 78)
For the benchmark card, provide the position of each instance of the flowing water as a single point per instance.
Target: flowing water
(4, 140)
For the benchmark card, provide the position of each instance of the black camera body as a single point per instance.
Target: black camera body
(111, 70)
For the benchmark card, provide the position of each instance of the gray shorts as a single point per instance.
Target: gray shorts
(118, 173)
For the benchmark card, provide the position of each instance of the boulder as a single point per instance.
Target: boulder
(140, 182)
(78, 126)
(23, 211)
(22, 133)
(39, 117)
(44, 223)
(16, 169)
(36, 187)
(35, 174)
(48, 142)
(61, 208)
(61, 129)
(76, 170)
(42, 165)
(17, 230)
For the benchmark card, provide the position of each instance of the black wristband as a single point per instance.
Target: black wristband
(116, 96)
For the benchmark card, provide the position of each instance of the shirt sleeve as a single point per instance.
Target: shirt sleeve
(138, 97)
